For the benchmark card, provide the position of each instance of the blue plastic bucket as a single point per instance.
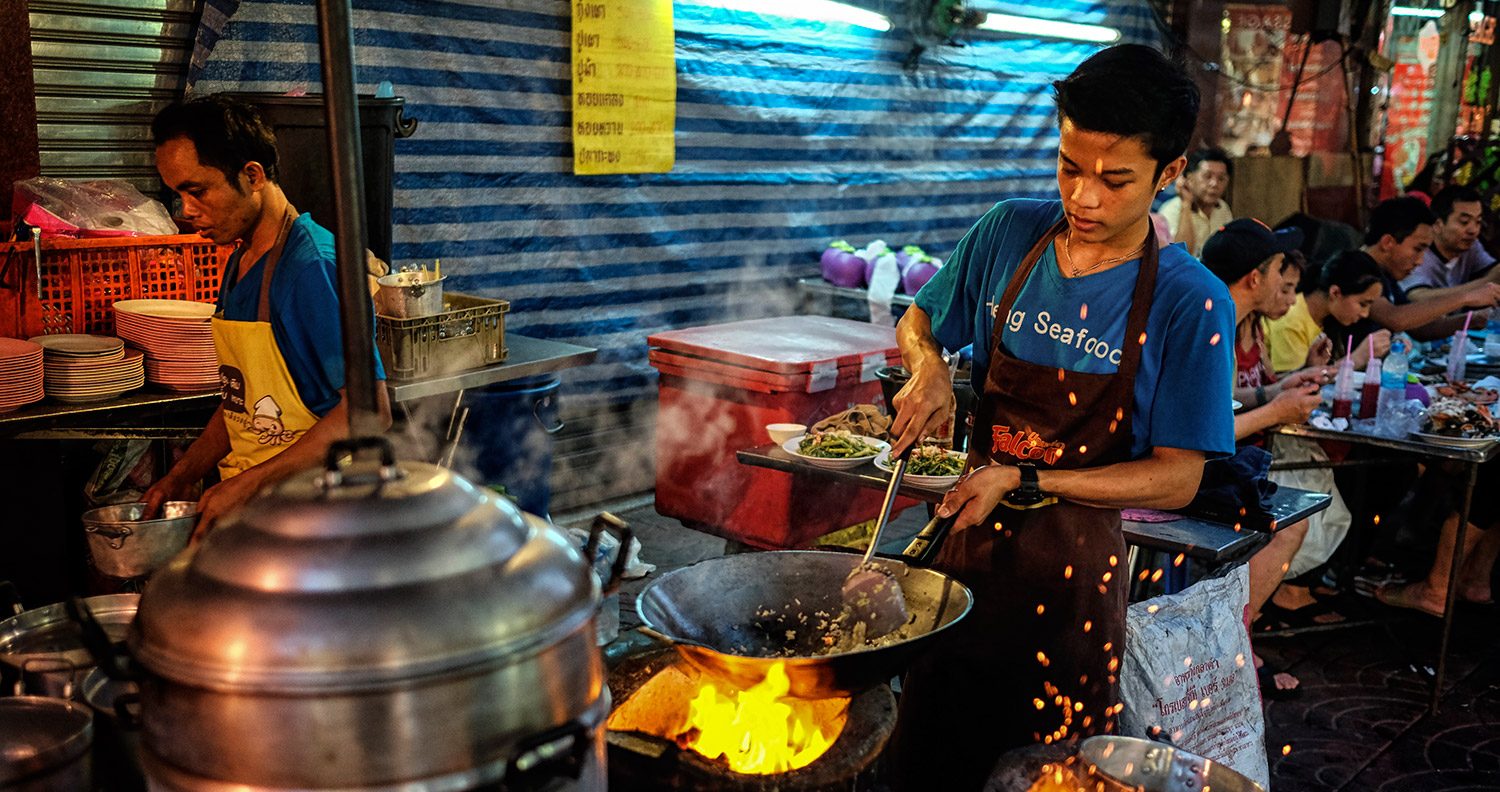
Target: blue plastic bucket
(508, 438)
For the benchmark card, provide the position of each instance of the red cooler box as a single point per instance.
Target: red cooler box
(720, 385)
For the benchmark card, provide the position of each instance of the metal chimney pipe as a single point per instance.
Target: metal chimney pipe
(341, 104)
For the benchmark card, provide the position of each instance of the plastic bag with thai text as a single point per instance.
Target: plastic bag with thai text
(1188, 672)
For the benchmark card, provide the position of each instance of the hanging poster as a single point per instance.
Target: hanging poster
(624, 86)
(1408, 108)
(1318, 116)
(1254, 57)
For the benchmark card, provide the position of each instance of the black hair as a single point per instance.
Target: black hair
(1398, 217)
(1210, 155)
(1294, 260)
(1353, 271)
(226, 132)
(1135, 91)
(1442, 203)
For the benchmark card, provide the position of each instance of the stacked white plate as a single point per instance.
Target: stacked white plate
(88, 368)
(177, 337)
(20, 373)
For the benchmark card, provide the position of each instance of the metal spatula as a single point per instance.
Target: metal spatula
(872, 595)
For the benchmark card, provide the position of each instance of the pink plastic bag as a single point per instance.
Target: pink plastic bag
(89, 209)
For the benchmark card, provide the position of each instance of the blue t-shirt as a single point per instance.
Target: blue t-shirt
(304, 311)
(1182, 391)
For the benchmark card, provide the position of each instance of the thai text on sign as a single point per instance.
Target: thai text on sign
(624, 86)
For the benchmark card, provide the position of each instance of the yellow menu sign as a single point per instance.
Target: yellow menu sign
(624, 86)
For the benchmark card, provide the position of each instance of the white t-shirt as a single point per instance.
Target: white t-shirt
(1204, 225)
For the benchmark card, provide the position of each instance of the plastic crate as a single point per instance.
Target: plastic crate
(82, 278)
(469, 335)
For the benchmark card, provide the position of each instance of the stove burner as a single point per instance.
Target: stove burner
(640, 762)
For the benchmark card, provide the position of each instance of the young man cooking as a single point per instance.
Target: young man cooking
(277, 332)
(1105, 365)
(1456, 257)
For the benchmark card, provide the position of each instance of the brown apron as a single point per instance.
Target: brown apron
(1037, 658)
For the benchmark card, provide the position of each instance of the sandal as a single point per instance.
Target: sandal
(1266, 674)
(1274, 618)
(1404, 596)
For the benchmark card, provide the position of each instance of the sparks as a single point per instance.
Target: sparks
(1177, 562)
(1083, 449)
(1039, 703)
(1286, 749)
(1377, 519)
(1208, 305)
(1061, 375)
(1068, 572)
(1214, 341)
(1072, 399)
(1156, 576)
(1041, 657)
(1113, 560)
(1143, 338)
(1187, 662)
(1239, 661)
(1083, 311)
(1087, 626)
(1040, 609)
(1107, 576)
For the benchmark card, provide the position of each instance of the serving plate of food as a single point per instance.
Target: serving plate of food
(1469, 393)
(836, 449)
(930, 466)
(1457, 422)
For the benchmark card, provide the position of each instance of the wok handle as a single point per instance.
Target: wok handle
(925, 545)
(10, 595)
(602, 523)
(110, 659)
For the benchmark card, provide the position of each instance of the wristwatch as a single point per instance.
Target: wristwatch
(1030, 492)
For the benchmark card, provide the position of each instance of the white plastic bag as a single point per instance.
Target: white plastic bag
(106, 208)
(1188, 671)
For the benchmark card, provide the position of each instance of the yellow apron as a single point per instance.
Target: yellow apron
(262, 410)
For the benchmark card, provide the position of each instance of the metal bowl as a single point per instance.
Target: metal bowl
(1131, 763)
(125, 546)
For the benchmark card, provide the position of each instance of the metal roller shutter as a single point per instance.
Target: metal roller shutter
(103, 68)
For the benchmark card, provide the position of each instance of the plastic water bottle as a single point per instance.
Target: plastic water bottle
(1492, 338)
(1392, 384)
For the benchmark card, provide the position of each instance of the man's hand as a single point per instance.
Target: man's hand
(921, 408)
(1316, 375)
(978, 493)
(1480, 318)
(222, 499)
(1295, 405)
(1321, 351)
(167, 488)
(1184, 191)
(1483, 295)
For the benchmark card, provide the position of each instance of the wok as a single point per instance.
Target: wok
(735, 616)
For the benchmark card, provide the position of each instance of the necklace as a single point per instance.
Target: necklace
(1068, 254)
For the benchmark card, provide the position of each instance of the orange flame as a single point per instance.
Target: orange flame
(760, 731)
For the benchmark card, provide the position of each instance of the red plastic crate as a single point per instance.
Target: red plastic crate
(82, 278)
(718, 389)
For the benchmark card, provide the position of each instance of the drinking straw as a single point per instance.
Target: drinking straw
(1349, 345)
(1468, 318)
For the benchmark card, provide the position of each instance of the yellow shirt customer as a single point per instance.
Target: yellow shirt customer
(1291, 337)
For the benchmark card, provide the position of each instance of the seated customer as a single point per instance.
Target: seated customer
(1250, 259)
(1400, 231)
(1299, 332)
(1199, 209)
(1481, 549)
(1456, 257)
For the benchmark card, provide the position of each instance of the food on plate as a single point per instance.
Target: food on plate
(1467, 392)
(836, 444)
(1455, 417)
(929, 460)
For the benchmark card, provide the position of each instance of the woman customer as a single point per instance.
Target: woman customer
(1347, 287)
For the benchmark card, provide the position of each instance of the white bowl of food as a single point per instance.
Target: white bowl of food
(930, 466)
(835, 450)
(782, 432)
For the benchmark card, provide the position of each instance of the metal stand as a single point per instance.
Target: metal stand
(1451, 601)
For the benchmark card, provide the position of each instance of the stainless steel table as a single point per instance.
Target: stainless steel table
(1471, 458)
(1211, 542)
(155, 413)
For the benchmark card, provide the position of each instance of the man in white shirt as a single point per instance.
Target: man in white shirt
(1199, 208)
(1456, 256)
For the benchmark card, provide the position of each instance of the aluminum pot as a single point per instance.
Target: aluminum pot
(43, 648)
(410, 294)
(117, 735)
(125, 546)
(373, 627)
(44, 745)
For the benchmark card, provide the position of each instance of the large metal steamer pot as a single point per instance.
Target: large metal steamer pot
(43, 648)
(373, 628)
(44, 745)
